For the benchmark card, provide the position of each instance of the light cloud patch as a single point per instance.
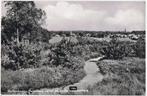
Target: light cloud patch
(130, 19)
(70, 16)
(65, 16)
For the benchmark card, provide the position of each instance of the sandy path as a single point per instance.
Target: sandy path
(92, 76)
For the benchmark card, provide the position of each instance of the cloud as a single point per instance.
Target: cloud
(66, 16)
(74, 16)
(130, 19)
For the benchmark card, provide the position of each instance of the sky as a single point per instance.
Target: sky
(93, 15)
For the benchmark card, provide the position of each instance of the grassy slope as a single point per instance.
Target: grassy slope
(124, 77)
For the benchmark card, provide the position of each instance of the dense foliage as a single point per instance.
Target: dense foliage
(21, 56)
(114, 49)
(22, 18)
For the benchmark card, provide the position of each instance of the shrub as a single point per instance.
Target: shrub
(59, 53)
(139, 48)
(114, 49)
(64, 54)
(21, 56)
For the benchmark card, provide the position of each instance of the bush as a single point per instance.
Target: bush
(139, 48)
(64, 54)
(114, 49)
(21, 56)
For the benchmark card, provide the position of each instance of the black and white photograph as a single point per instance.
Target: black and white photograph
(73, 47)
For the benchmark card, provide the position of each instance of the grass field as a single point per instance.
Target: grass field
(123, 77)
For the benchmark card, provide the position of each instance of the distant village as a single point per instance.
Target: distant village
(97, 35)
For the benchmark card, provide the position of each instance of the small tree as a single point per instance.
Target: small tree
(21, 18)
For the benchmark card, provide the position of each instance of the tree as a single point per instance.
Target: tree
(21, 18)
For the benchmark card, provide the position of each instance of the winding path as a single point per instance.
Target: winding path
(92, 75)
